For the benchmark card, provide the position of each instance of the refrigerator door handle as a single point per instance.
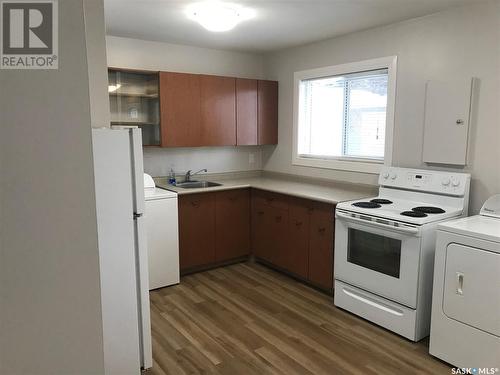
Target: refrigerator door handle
(143, 292)
(136, 215)
(137, 169)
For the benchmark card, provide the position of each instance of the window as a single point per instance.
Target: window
(344, 116)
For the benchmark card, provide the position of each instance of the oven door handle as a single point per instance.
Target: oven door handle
(373, 303)
(376, 224)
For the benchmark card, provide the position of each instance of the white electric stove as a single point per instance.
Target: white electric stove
(384, 247)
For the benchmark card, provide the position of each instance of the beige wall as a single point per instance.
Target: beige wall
(458, 43)
(140, 54)
(97, 65)
(49, 273)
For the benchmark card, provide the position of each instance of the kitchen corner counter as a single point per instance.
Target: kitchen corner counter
(314, 189)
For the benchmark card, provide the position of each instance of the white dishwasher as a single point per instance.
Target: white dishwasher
(162, 235)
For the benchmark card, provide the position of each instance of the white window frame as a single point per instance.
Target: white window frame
(343, 163)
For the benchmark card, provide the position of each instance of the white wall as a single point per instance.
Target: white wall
(458, 43)
(49, 272)
(140, 54)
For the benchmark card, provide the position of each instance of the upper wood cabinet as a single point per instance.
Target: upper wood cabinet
(267, 112)
(180, 110)
(133, 101)
(256, 112)
(218, 110)
(246, 111)
(202, 110)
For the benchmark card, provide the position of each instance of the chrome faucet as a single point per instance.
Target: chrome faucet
(189, 174)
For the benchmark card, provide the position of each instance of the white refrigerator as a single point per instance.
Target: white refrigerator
(119, 189)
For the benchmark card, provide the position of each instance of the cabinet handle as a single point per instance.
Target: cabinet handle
(322, 230)
(260, 213)
(195, 204)
(278, 219)
(269, 199)
(460, 283)
(232, 199)
(298, 223)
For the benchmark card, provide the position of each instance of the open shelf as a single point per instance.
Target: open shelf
(136, 102)
(134, 123)
(134, 95)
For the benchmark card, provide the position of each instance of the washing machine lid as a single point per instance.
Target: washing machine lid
(479, 226)
(149, 183)
(492, 207)
(157, 193)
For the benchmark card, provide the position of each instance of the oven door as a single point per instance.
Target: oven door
(378, 257)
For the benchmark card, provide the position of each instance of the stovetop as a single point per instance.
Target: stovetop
(402, 210)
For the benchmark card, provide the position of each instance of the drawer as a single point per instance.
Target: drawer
(385, 313)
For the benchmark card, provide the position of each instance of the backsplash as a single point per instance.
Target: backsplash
(158, 161)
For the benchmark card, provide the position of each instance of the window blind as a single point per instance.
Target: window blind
(343, 116)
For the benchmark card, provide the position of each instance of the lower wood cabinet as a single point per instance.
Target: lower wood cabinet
(213, 228)
(296, 235)
(261, 234)
(321, 239)
(269, 226)
(196, 230)
(297, 259)
(232, 224)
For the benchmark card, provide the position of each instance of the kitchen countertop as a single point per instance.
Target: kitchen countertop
(314, 189)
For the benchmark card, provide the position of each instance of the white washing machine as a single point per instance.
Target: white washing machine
(465, 323)
(161, 217)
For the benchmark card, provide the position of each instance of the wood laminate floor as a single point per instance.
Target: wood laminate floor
(248, 319)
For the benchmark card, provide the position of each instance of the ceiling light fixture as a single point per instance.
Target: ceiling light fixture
(113, 88)
(218, 16)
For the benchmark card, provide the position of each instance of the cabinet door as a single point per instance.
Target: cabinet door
(268, 112)
(180, 110)
(232, 220)
(196, 230)
(134, 102)
(447, 110)
(246, 111)
(321, 234)
(260, 230)
(270, 226)
(471, 280)
(278, 245)
(218, 111)
(297, 252)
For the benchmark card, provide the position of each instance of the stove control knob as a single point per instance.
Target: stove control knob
(394, 175)
(455, 182)
(446, 181)
(386, 175)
